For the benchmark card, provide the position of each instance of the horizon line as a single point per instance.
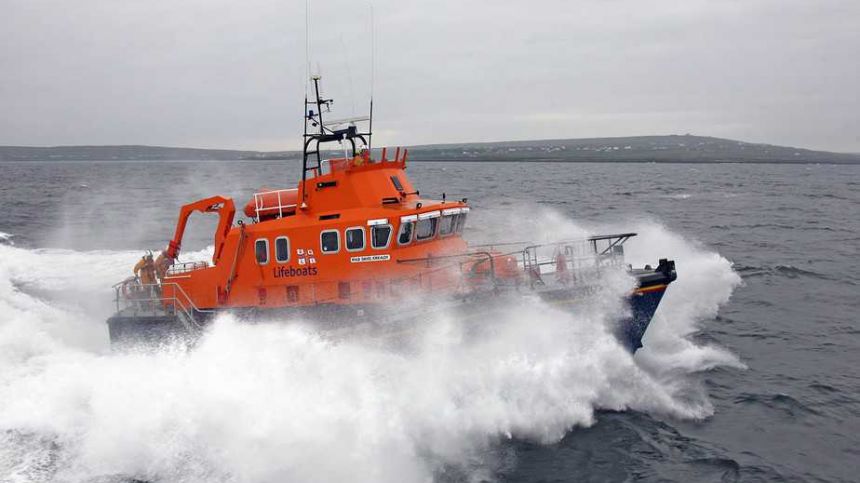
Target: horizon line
(59, 146)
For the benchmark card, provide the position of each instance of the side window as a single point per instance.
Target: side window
(330, 241)
(261, 251)
(282, 249)
(404, 235)
(426, 228)
(446, 226)
(380, 235)
(397, 184)
(354, 239)
(461, 222)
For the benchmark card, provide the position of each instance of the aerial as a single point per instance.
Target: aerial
(451, 241)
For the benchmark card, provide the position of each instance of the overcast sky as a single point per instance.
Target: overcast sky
(231, 74)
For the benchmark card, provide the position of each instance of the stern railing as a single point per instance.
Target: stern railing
(168, 296)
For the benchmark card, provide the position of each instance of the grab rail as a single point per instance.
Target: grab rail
(185, 267)
(132, 292)
(574, 260)
(259, 202)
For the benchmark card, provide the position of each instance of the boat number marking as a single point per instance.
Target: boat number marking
(370, 258)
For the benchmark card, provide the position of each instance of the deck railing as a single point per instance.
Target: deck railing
(168, 298)
(185, 267)
(260, 205)
(570, 261)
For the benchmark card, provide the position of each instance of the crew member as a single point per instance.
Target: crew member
(162, 263)
(561, 271)
(145, 270)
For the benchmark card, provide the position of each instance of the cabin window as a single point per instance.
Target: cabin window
(446, 226)
(355, 239)
(330, 241)
(282, 249)
(460, 223)
(261, 251)
(380, 235)
(426, 229)
(397, 184)
(405, 234)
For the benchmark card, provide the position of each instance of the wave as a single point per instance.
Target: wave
(754, 226)
(831, 196)
(782, 226)
(782, 403)
(786, 271)
(281, 401)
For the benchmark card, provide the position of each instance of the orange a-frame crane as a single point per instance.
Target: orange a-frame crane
(216, 204)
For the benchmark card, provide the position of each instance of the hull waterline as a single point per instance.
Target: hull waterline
(156, 327)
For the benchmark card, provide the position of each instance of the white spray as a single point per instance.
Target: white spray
(281, 402)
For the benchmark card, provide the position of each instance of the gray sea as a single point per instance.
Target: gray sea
(751, 370)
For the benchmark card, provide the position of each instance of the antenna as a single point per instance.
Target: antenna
(307, 46)
(372, 50)
(372, 78)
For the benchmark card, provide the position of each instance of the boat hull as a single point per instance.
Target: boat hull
(156, 327)
(643, 305)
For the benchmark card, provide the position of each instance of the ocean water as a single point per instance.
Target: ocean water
(749, 371)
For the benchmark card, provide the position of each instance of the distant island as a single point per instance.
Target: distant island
(659, 149)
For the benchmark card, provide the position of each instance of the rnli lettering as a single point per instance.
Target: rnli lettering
(282, 272)
(370, 258)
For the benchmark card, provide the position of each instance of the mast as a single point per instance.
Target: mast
(318, 132)
(311, 156)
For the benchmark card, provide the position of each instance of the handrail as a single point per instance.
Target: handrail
(187, 298)
(624, 236)
(259, 203)
(186, 267)
(154, 293)
(160, 285)
(440, 257)
(234, 266)
(275, 191)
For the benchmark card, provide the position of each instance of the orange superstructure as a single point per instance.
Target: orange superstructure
(344, 244)
(344, 235)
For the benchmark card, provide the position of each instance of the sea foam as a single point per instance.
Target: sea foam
(283, 402)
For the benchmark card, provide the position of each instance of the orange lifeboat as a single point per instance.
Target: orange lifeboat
(363, 241)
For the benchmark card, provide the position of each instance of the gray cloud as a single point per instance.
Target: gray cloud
(220, 73)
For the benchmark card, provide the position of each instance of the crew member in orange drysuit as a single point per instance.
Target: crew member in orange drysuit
(145, 270)
(162, 263)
